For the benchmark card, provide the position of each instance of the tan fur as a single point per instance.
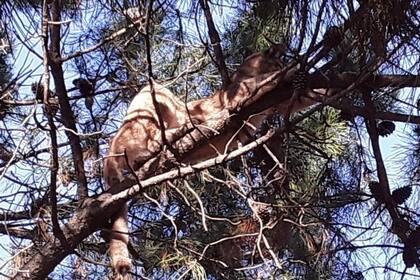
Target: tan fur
(260, 63)
(140, 136)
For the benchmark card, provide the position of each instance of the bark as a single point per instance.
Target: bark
(403, 226)
(215, 43)
(52, 131)
(389, 116)
(65, 108)
(90, 217)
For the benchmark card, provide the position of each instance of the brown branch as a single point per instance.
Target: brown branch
(317, 80)
(25, 156)
(334, 37)
(19, 232)
(15, 216)
(5, 155)
(312, 46)
(67, 114)
(35, 206)
(54, 100)
(380, 166)
(389, 116)
(187, 170)
(304, 16)
(87, 219)
(52, 130)
(215, 42)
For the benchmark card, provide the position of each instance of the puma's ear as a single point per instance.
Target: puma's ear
(386, 128)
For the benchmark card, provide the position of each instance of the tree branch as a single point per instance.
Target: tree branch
(390, 204)
(18, 232)
(65, 108)
(215, 42)
(390, 116)
(52, 130)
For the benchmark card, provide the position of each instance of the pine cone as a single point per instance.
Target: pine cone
(299, 80)
(401, 195)
(385, 128)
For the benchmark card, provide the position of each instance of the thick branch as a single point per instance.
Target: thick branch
(188, 170)
(52, 129)
(65, 108)
(380, 166)
(54, 100)
(11, 216)
(14, 231)
(150, 74)
(389, 116)
(86, 220)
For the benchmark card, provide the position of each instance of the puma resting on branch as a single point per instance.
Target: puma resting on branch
(140, 135)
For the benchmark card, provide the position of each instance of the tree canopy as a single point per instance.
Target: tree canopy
(329, 192)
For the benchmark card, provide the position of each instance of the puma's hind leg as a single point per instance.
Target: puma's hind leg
(118, 245)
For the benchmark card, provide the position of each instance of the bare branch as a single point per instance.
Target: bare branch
(215, 43)
(68, 118)
(52, 129)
